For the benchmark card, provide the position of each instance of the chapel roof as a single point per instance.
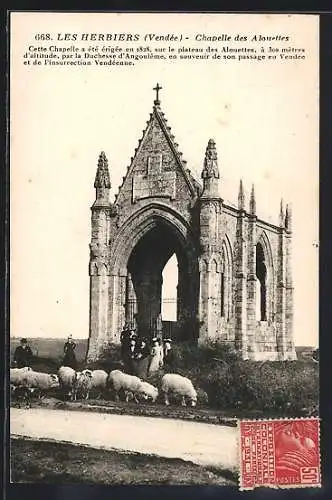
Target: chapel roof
(158, 116)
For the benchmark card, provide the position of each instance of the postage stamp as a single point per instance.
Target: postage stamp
(281, 453)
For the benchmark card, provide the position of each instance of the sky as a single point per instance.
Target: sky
(262, 115)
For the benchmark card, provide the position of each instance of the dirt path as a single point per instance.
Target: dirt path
(203, 444)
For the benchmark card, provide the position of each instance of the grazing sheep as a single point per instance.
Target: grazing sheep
(42, 381)
(82, 384)
(99, 381)
(148, 391)
(29, 378)
(17, 375)
(67, 379)
(118, 381)
(25, 383)
(172, 383)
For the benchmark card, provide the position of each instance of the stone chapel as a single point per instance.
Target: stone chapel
(234, 269)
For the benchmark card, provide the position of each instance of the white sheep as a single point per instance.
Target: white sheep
(42, 381)
(30, 378)
(118, 381)
(67, 379)
(17, 375)
(148, 391)
(172, 383)
(82, 385)
(98, 381)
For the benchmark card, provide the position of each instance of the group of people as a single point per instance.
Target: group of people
(141, 357)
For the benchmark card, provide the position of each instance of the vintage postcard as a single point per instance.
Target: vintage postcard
(164, 249)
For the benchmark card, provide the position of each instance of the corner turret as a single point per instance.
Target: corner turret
(252, 202)
(210, 172)
(288, 218)
(281, 214)
(241, 200)
(102, 182)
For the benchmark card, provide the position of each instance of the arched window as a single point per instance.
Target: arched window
(222, 293)
(261, 283)
(226, 281)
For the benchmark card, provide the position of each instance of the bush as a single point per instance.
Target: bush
(276, 388)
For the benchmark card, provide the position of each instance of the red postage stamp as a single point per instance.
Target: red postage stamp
(280, 453)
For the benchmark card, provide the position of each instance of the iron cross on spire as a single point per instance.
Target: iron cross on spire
(157, 88)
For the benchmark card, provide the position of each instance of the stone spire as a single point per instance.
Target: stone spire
(241, 197)
(288, 218)
(281, 214)
(210, 172)
(102, 181)
(210, 168)
(252, 203)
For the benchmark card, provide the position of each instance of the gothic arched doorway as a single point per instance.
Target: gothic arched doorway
(145, 248)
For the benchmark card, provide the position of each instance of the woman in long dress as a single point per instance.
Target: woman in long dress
(168, 354)
(156, 357)
(141, 359)
(69, 350)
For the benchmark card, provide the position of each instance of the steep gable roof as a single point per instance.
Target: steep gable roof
(158, 117)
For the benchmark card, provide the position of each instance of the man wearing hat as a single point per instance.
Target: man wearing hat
(23, 354)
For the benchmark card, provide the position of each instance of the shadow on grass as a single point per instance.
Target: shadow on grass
(41, 461)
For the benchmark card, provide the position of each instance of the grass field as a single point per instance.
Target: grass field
(50, 347)
(50, 462)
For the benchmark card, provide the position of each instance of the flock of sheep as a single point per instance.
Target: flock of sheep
(78, 385)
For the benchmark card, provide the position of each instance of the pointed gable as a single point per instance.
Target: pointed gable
(157, 168)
